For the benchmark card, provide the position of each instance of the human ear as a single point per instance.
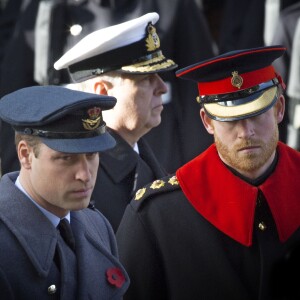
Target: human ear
(207, 122)
(101, 87)
(280, 108)
(25, 153)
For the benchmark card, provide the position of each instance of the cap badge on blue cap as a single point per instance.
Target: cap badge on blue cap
(152, 40)
(236, 80)
(95, 119)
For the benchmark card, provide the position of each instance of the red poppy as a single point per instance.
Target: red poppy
(115, 277)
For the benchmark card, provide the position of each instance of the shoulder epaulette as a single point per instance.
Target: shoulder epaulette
(159, 186)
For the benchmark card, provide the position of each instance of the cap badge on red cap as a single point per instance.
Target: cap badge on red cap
(236, 80)
(152, 40)
(95, 118)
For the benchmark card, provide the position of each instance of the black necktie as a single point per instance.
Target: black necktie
(65, 230)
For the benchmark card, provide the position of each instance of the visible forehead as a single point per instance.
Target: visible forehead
(49, 152)
(135, 77)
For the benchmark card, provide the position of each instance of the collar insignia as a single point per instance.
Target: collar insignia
(173, 180)
(157, 184)
(140, 193)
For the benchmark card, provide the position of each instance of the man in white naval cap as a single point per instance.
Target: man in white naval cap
(123, 61)
(45, 30)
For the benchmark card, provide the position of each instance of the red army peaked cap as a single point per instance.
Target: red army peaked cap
(238, 84)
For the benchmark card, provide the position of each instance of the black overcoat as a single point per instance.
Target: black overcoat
(175, 248)
(121, 172)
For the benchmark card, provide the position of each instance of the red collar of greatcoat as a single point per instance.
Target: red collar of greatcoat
(228, 202)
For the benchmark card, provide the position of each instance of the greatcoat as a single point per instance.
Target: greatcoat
(121, 172)
(207, 233)
(35, 265)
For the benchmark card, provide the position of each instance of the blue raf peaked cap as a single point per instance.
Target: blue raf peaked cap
(66, 120)
(238, 84)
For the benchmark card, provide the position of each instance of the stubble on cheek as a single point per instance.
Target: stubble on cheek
(248, 161)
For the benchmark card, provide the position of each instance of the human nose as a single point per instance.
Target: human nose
(83, 171)
(245, 128)
(162, 88)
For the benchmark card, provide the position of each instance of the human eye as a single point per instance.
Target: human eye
(143, 78)
(63, 157)
(92, 155)
(66, 157)
(148, 78)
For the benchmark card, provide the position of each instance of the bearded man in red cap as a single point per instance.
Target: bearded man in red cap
(226, 225)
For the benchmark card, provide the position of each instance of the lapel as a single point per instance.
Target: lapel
(119, 161)
(148, 156)
(96, 255)
(28, 224)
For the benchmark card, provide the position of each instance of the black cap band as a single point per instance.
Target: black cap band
(109, 61)
(239, 95)
(62, 135)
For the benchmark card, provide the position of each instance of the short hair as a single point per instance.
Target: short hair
(86, 85)
(33, 141)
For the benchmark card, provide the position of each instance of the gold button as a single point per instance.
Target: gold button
(262, 226)
(52, 289)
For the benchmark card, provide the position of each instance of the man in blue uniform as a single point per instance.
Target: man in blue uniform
(226, 225)
(53, 244)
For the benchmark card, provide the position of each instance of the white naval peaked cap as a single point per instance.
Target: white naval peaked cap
(130, 47)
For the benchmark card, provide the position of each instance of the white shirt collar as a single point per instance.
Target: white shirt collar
(136, 148)
(52, 218)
